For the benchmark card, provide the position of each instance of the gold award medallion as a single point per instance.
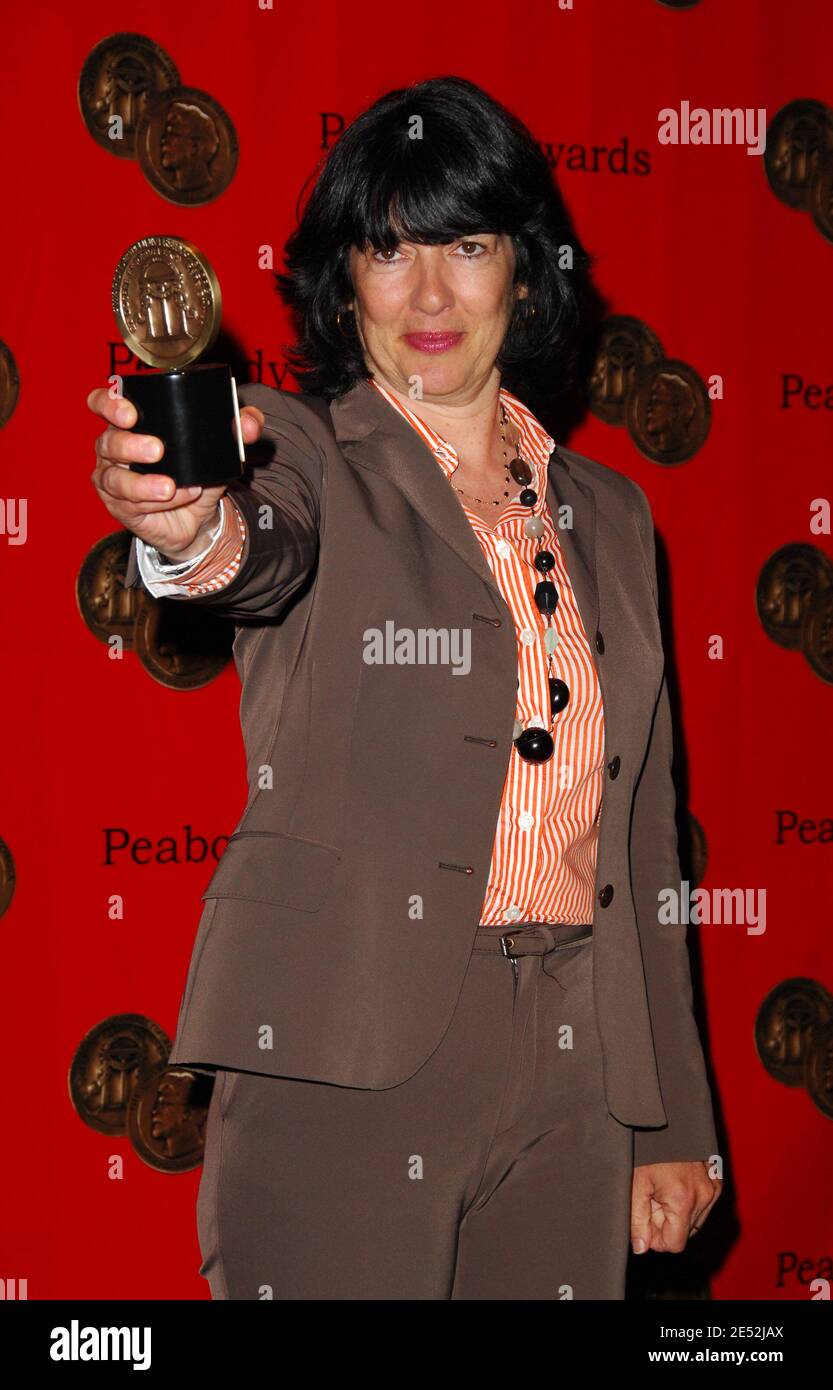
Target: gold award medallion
(167, 301)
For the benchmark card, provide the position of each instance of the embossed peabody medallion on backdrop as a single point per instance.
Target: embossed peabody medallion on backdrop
(186, 146)
(794, 602)
(9, 384)
(120, 76)
(134, 105)
(179, 651)
(798, 160)
(662, 401)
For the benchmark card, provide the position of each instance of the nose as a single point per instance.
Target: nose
(432, 288)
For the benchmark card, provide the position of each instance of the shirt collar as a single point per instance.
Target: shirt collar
(534, 444)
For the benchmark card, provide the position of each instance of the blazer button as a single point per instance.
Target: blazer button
(606, 895)
(614, 765)
(600, 641)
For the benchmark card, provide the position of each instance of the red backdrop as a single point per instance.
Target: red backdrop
(699, 248)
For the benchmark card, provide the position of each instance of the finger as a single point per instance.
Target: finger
(116, 480)
(669, 1230)
(124, 485)
(702, 1211)
(673, 1207)
(120, 446)
(115, 409)
(151, 492)
(640, 1216)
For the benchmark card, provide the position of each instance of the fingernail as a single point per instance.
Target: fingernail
(638, 1246)
(124, 415)
(151, 451)
(162, 489)
(193, 491)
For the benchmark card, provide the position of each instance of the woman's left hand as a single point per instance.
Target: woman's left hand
(669, 1202)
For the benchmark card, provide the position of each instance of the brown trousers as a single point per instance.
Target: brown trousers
(494, 1172)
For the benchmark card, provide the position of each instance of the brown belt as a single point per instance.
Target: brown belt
(531, 938)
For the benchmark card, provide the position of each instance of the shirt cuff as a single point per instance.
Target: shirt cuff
(160, 578)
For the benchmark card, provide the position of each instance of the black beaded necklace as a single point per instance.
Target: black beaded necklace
(536, 745)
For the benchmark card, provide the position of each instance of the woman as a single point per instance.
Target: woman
(455, 1050)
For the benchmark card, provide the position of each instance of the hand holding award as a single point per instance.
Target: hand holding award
(175, 437)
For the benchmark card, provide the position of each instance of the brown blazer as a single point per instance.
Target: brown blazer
(375, 787)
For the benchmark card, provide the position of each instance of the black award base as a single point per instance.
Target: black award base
(194, 412)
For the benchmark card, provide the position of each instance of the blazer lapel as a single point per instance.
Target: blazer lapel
(370, 433)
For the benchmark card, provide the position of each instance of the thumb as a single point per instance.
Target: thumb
(252, 421)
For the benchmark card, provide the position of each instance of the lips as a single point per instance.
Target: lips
(433, 342)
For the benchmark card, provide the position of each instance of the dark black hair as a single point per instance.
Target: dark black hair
(476, 168)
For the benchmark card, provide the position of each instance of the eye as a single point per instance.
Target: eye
(477, 247)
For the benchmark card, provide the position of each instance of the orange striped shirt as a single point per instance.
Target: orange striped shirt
(543, 864)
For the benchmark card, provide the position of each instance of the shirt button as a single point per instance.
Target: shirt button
(525, 820)
(503, 549)
(527, 636)
(513, 914)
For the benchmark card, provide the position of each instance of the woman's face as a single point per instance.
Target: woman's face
(407, 299)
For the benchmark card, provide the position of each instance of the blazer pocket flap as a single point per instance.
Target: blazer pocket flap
(262, 866)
